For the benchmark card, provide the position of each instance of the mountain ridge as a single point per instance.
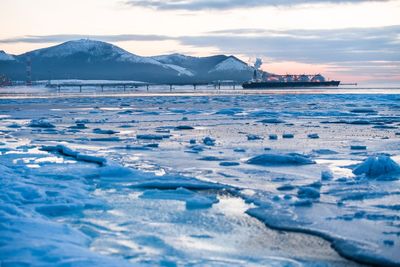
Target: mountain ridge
(92, 59)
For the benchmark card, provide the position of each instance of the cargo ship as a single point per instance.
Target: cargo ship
(268, 80)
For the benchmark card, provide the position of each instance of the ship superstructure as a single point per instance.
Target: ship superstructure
(262, 79)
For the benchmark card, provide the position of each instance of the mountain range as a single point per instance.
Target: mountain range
(91, 59)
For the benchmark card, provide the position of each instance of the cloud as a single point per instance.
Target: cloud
(196, 5)
(308, 46)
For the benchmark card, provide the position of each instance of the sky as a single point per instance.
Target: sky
(350, 40)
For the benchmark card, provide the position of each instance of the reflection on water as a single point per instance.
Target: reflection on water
(339, 167)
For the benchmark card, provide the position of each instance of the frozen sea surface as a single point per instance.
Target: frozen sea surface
(176, 180)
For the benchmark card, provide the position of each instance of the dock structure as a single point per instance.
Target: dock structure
(128, 84)
(96, 84)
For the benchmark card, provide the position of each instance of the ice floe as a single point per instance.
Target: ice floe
(151, 136)
(272, 121)
(281, 159)
(41, 123)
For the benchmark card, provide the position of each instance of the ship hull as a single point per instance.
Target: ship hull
(266, 85)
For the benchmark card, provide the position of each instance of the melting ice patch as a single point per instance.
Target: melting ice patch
(192, 199)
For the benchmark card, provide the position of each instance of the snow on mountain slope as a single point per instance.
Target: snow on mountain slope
(5, 57)
(76, 59)
(173, 58)
(180, 70)
(94, 48)
(105, 51)
(231, 64)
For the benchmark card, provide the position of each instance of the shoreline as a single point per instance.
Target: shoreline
(199, 92)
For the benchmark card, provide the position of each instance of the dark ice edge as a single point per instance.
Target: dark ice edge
(345, 248)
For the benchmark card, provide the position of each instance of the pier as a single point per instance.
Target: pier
(126, 85)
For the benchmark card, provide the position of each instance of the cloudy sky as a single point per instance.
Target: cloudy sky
(351, 40)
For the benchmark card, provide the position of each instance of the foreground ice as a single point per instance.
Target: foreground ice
(123, 181)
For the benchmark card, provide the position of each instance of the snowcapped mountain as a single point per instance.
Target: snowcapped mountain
(5, 57)
(231, 64)
(94, 48)
(219, 67)
(96, 60)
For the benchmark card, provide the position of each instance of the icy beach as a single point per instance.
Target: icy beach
(200, 180)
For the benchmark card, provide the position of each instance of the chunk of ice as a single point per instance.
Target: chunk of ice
(272, 121)
(252, 137)
(280, 159)
(150, 136)
(41, 123)
(376, 166)
(308, 192)
(200, 202)
(101, 131)
(358, 147)
(273, 137)
(184, 127)
(326, 175)
(208, 141)
(313, 136)
(287, 135)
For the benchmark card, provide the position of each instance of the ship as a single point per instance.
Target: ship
(268, 80)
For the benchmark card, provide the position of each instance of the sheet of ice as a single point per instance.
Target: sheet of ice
(357, 214)
(28, 234)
